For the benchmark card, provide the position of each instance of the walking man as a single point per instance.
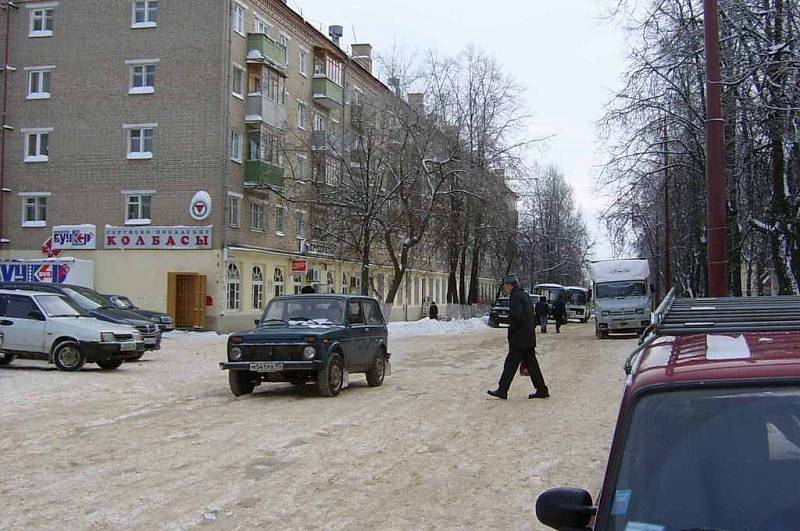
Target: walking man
(521, 342)
(541, 310)
(560, 313)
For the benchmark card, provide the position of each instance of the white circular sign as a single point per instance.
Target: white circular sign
(200, 207)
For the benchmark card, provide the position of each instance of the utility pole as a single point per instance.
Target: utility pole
(667, 216)
(715, 154)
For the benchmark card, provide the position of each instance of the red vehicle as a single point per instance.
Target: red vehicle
(708, 433)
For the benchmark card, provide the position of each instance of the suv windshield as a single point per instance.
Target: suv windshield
(577, 297)
(56, 306)
(86, 298)
(622, 288)
(122, 302)
(710, 459)
(305, 309)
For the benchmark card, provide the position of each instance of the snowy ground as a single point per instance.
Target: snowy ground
(161, 443)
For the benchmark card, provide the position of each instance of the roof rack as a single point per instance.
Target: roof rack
(722, 315)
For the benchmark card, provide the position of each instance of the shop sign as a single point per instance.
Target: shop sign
(74, 237)
(34, 272)
(200, 207)
(175, 237)
(299, 266)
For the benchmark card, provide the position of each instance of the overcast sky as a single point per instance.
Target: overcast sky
(561, 51)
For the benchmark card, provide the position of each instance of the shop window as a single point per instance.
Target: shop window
(233, 282)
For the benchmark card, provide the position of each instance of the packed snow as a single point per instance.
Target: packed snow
(429, 327)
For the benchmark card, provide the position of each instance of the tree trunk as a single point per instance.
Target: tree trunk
(365, 260)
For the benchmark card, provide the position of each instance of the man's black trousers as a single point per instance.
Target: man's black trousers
(511, 366)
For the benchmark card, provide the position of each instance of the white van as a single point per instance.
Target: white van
(578, 303)
(45, 326)
(622, 296)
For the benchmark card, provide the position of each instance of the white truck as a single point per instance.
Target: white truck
(44, 326)
(578, 303)
(622, 296)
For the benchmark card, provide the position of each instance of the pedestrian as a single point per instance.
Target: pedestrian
(560, 313)
(521, 342)
(433, 312)
(541, 310)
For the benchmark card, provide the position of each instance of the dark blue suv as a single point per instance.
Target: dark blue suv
(311, 338)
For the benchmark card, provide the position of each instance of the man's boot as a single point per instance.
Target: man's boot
(540, 393)
(497, 394)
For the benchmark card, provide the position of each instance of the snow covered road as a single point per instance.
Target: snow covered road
(162, 444)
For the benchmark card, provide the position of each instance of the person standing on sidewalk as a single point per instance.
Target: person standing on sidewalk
(541, 309)
(560, 313)
(521, 342)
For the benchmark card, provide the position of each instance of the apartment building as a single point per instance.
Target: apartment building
(164, 141)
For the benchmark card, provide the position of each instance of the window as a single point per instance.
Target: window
(258, 288)
(236, 146)
(277, 279)
(145, 14)
(262, 26)
(325, 66)
(279, 215)
(37, 145)
(39, 82)
(238, 80)
(233, 283)
(257, 217)
(297, 278)
(354, 315)
(143, 77)
(40, 20)
(302, 168)
(331, 171)
(283, 40)
(139, 209)
(19, 307)
(302, 114)
(319, 122)
(140, 141)
(301, 224)
(266, 146)
(303, 63)
(274, 87)
(372, 313)
(238, 18)
(34, 209)
(234, 210)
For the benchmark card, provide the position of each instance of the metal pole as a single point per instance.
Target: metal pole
(667, 217)
(715, 153)
(4, 115)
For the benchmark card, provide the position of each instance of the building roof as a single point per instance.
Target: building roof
(717, 358)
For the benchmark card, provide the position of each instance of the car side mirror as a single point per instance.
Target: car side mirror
(36, 315)
(565, 508)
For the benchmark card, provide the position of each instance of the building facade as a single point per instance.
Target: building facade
(164, 140)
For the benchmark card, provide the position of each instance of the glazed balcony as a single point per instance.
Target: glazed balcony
(262, 49)
(326, 141)
(327, 93)
(261, 109)
(259, 173)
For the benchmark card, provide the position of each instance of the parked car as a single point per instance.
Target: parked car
(45, 326)
(499, 313)
(162, 320)
(311, 338)
(95, 305)
(708, 433)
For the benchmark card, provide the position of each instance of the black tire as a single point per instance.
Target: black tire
(330, 378)
(241, 383)
(110, 365)
(68, 356)
(492, 324)
(600, 334)
(6, 358)
(377, 372)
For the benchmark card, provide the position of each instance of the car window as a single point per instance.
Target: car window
(354, 315)
(56, 306)
(372, 312)
(728, 457)
(306, 309)
(19, 307)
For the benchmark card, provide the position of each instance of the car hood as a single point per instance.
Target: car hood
(149, 314)
(90, 324)
(623, 304)
(120, 316)
(286, 332)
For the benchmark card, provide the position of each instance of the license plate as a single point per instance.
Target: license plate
(149, 341)
(127, 347)
(266, 367)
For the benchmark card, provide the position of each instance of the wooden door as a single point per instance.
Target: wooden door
(199, 301)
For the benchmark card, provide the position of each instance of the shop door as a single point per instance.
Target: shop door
(186, 299)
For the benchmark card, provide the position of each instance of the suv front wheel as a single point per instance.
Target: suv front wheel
(68, 356)
(377, 372)
(110, 365)
(241, 383)
(331, 377)
(6, 358)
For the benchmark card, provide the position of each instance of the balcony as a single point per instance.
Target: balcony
(327, 93)
(318, 248)
(262, 49)
(326, 140)
(259, 173)
(261, 109)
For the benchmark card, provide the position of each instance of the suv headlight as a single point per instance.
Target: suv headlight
(309, 353)
(166, 319)
(137, 336)
(236, 353)
(605, 313)
(106, 337)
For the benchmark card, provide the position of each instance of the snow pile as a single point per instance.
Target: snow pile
(427, 327)
(186, 336)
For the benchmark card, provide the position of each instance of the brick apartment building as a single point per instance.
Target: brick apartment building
(158, 131)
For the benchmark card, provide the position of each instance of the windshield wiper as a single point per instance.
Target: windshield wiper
(273, 321)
